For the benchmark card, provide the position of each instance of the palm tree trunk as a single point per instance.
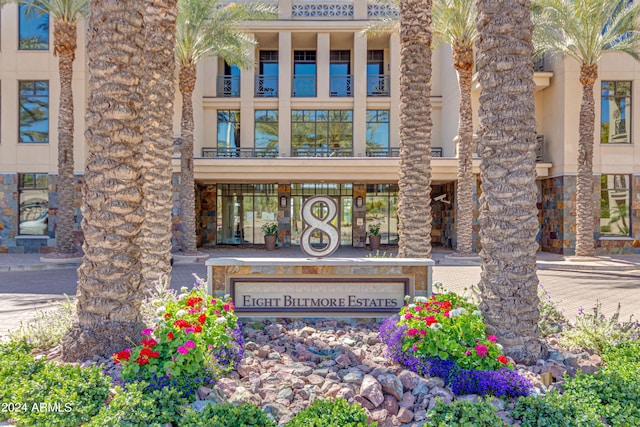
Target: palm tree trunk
(584, 185)
(158, 91)
(187, 181)
(463, 63)
(110, 287)
(414, 197)
(508, 220)
(64, 35)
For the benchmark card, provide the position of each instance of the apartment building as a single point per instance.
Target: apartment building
(318, 114)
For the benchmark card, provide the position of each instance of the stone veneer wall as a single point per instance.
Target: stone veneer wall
(208, 203)
(359, 217)
(284, 216)
(8, 212)
(558, 226)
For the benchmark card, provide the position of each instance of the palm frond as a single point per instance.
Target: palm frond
(454, 22)
(64, 10)
(386, 24)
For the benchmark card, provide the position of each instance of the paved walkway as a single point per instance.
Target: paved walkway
(26, 283)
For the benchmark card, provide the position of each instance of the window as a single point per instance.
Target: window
(377, 132)
(34, 111)
(266, 133)
(377, 81)
(322, 133)
(228, 133)
(229, 82)
(33, 189)
(615, 117)
(267, 80)
(340, 73)
(304, 73)
(382, 209)
(615, 208)
(242, 211)
(33, 29)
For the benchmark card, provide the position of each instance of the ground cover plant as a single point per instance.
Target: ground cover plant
(226, 415)
(462, 413)
(331, 412)
(194, 339)
(445, 336)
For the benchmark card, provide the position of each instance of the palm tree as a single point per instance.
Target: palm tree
(110, 285)
(205, 28)
(65, 14)
(414, 196)
(454, 23)
(508, 221)
(157, 88)
(586, 30)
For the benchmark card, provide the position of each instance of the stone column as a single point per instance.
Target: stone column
(322, 63)
(285, 68)
(247, 78)
(284, 215)
(359, 95)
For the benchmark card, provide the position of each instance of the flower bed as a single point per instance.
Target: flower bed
(195, 339)
(445, 336)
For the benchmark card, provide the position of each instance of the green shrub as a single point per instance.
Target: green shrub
(613, 392)
(226, 415)
(328, 412)
(625, 352)
(555, 410)
(595, 332)
(134, 407)
(48, 327)
(552, 321)
(464, 414)
(16, 365)
(60, 395)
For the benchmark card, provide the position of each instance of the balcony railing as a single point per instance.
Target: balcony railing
(246, 152)
(228, 86)
(266, 85)
(341, 85)
(321, 152)
(395, 152)
(322, 9)
(378, 84)
(304, 85)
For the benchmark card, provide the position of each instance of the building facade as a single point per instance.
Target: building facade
(318, 114)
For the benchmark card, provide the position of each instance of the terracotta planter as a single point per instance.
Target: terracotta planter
(270, 242)
(374, 242)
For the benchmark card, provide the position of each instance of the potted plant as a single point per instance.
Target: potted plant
(374, 236)
(270, 230)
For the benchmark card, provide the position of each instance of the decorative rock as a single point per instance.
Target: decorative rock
(371, 390)
(409, 379)
(420, 415)
(405, 415)
(242, 396)
(355, 377)
(346, 393)
(473, 398)
(199, 405)
(390, 404)
(445, 395)
(497, 403)
(364, 402)
(408, 400)
(378, 415)
(285, 393)
(391, 384)
(276, 409)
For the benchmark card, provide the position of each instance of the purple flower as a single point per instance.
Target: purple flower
(147, 331)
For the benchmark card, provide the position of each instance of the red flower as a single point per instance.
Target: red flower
(170, 336)
(149, 342)
(430, 320)
(147, 352)
(167, 315)
(181, 323)
(202, 318)
(198, 328)
(142, 361)
(503, 359)
(122, 355)
(191, 302)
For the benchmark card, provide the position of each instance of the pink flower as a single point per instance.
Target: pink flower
(213, 301)
(430, 320)
(183, 350)
(408, 316)
(481, 350)
(492, 338)
(419, 307)
(189, 330)
(415, 347)
(412, 332)
(189, 344)
(467, 353)
(226, 307)
(147, 331)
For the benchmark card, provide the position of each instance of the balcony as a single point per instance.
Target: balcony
(304, 85)
(395, 152)
(243, 152)
(266, 86)
(321, 152)
(378, 85)
(228, 86)
(341, 85)
(336, 9)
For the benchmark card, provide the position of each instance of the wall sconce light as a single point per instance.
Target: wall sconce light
(359, 201)
(283, 201)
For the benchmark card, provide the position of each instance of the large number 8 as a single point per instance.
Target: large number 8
(313, 223)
